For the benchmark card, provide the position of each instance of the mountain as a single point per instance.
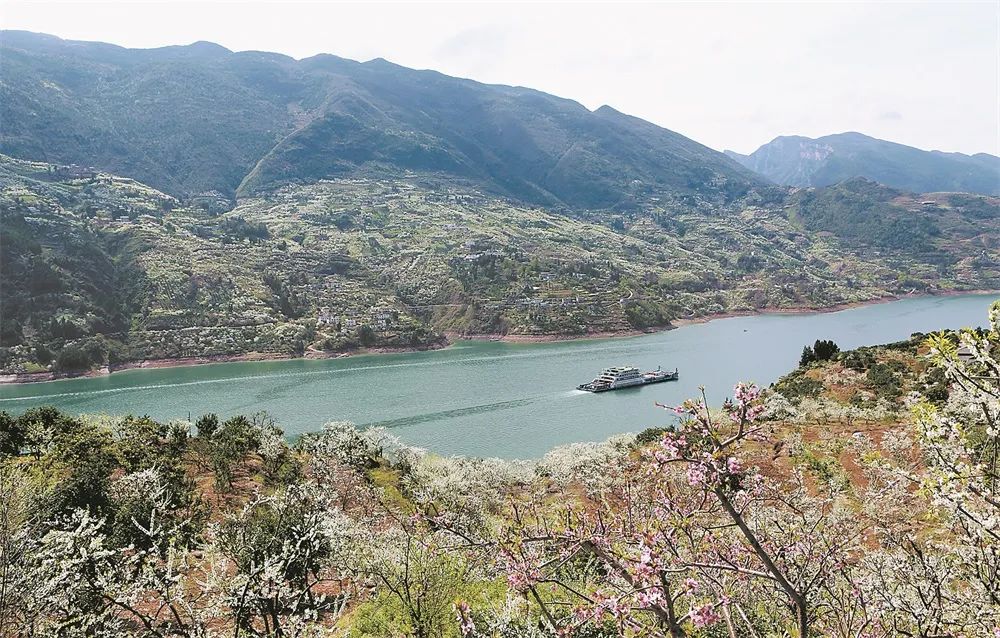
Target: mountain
(201, 120)
(802, 161)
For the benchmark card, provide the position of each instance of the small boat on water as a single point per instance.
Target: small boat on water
(626, 377)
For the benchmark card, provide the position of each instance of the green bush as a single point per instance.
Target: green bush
(207, 424)
(229, 446)
(141, 443)
(13, 435)
(859, 360)
(935, 385)
(650, 435)
(72, 358)
(83, 458)
(796, 386)
(883, 381)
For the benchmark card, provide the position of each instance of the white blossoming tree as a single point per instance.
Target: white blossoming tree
(281, 562)
(938, 517)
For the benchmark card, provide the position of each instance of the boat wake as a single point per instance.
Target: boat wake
(451, 414)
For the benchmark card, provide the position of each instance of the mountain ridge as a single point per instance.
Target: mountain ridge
(796, 160)
(260, 120)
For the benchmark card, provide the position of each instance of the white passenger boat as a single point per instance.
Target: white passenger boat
(626, 377)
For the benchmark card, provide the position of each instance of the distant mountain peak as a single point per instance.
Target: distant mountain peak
(795, 160)
(208, 47)
(382, 62)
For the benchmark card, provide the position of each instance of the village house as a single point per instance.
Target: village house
(383, 318)
(326, 317)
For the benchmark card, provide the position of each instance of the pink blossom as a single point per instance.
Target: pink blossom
(704, 616)
(746, 393)
(733, 465)
(649, 598)
(696, 475)
(520, 576)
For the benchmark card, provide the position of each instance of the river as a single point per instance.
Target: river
(499, 399)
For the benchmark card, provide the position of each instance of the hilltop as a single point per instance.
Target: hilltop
(802, 161)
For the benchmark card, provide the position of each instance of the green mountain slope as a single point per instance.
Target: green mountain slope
(198, 119)
(801, 161)
(99, 269)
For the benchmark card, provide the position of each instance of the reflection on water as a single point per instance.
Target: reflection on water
(493, 398)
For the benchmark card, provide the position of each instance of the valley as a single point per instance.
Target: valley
(249, 205)
(294, 345)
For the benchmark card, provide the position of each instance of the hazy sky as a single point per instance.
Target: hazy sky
(730, 75)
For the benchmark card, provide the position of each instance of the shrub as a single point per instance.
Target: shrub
(41, 426)
(207, 424)
(649, 435)
(859, 360)
(366, 336)
(84, 459)
(140, 442)
(72, 358)
(935, 386)
(796, 386)
(230, 445)
(13, 435)
(881, 378)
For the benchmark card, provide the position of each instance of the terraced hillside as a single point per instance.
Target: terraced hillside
(100, 270)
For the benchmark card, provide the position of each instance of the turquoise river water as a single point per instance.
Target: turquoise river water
(499, 399)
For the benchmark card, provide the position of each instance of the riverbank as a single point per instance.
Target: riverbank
(517, 338)
(678, 323)
(451, 337)
(180, 362)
